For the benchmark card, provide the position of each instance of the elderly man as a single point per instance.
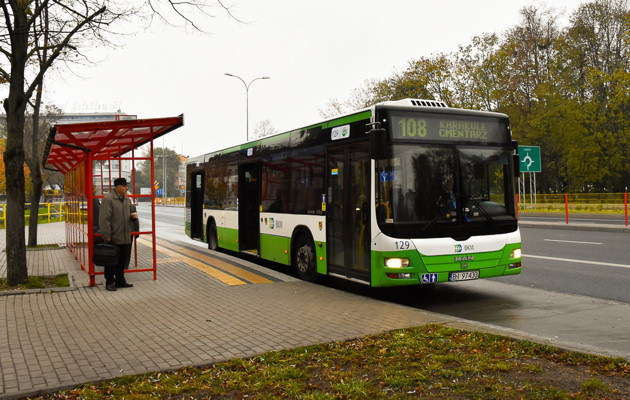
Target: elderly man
(115, 221)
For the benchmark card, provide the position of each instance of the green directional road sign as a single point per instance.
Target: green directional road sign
(530, 158)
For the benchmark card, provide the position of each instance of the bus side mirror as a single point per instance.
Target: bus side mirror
(378, 143)
(516, 161)
(517, 165)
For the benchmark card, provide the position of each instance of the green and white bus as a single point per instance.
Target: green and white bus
(405, 192)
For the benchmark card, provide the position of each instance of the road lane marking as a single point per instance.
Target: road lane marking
(577, 261)
(570, 241)
(213, 272)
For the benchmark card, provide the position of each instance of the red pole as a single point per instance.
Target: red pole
(517, 207)
(89, 184)
(566, 205)
(625, 203)
(153, 230)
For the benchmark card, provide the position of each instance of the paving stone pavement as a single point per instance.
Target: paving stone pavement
(55, 340)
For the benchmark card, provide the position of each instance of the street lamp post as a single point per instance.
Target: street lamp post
(247, 85)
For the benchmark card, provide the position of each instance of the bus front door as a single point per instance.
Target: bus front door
(196, 205)
(249, 207)
(348, 210)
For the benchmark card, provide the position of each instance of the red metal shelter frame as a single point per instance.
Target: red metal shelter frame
(75, 149)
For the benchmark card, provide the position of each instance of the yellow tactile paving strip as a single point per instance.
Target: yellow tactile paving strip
(225, 272)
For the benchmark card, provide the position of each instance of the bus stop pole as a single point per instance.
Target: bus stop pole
(89, 194)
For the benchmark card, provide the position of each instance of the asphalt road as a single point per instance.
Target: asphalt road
(587, 263)
(168, 215)
(571, 293)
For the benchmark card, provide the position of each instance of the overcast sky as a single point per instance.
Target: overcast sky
(312, 50)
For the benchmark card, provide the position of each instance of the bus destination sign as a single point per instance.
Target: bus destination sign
(440, 127)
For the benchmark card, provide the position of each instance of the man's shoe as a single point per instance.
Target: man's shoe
(124, 285)
(110, 286)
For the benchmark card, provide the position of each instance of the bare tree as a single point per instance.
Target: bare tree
(359, 98)
(34, 35)
(264, 128)
(41, 36)
(36, 134)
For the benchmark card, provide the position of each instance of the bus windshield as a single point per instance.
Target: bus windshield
(444, 190)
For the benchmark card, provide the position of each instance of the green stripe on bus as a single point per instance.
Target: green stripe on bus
(490, 264)
(275, 248)
(320, 254)
(347, 120)
(228, 238)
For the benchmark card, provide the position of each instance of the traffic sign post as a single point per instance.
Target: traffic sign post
(530, 162)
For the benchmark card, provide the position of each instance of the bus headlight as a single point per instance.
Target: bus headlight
(396, 262)
(516, 253)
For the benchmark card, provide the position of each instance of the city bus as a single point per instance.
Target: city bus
(406, 192)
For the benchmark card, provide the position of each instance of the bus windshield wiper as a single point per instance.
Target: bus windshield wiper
(437, 217)
(483, 210)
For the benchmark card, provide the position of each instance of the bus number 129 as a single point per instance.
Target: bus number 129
(402, 245)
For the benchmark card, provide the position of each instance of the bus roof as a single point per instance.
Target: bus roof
(368, 112)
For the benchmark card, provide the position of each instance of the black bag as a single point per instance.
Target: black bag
(105, 254)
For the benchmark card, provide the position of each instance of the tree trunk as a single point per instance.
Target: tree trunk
(36, 173)
(36, 193)
(15, 107)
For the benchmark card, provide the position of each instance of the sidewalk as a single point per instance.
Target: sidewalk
(50, 341)
(56, 340)
(40, 261)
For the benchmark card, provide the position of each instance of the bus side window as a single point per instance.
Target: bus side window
(306, 172)
(274, 186)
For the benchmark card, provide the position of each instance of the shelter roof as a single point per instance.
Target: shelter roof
(68, 144)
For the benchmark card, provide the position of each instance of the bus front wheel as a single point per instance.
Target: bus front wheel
(304, 259)
(211, 234)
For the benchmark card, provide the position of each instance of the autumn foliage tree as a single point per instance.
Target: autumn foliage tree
(565, 89)
(3, 181)
(34, 36)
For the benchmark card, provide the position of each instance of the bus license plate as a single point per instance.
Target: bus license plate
(463, 276)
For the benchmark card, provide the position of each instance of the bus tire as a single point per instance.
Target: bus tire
(211, 234)
(304, 260)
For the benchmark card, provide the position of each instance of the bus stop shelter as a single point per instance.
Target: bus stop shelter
(91, 155)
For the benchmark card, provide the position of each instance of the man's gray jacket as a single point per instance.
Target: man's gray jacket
(115, 218)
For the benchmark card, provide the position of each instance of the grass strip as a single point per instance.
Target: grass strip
(424, 362)
(38, 282)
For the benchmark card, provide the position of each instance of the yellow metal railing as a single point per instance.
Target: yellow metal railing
(576, 202)
(169, 201)
(53, 212)
(581, 198)
(48, 212)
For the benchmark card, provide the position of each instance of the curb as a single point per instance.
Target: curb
(38, 291)
(71, 280)
(582, 227)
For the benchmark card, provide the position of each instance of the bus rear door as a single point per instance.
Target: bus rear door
(348, 210)
(196, 205)
(249, 207)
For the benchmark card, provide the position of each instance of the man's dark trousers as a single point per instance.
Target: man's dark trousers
(116, 273)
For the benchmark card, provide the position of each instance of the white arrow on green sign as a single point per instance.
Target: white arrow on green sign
(530, 158)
